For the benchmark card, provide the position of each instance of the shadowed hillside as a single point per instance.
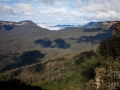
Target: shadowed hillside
(57, 43)
(61, 73)
(8, 27)
(26, 58)
(26, 36)
(68, 59)
(16, 84)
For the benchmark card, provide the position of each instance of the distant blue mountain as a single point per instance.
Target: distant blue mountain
(100, 24)
(92, 24)
(62, 26)
(59, 25)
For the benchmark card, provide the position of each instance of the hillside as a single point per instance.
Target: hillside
(107, 73)
(68, 72)
(31, 33)
(55, 60)
(105, 24)
(88, 70)
(26, 36)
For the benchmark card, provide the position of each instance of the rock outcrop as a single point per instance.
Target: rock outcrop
(116, 31)
(21, 23)
(106, 24)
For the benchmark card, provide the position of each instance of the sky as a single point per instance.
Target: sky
(60, 11)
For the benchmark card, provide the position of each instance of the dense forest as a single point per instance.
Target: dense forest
(89, 70)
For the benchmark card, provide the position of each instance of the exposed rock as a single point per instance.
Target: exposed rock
(106, 24)
(97, 82)
(22, 23)
(116, 31)
(99, 72)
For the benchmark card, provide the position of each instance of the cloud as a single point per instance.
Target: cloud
(23, 6)
(100, 9)
(17, 10)
(48, 1)
(110, 15)
(62, 11)
(6, 7)
(79, 2)
(6, 10)
(94, 8)
(28, 13)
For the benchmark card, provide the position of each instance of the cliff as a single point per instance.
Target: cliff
(116, 31)
(106, 24)
(21, 23)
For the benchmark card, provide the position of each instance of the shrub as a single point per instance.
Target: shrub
(110, 47)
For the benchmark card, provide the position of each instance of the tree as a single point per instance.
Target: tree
(110, 47)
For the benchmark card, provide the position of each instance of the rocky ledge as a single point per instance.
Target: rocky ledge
(21, 23)
(116, 31)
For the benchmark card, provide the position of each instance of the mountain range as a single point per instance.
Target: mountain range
(105, 24)
(21, 23)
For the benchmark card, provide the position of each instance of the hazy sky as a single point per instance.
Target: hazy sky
(60, 11)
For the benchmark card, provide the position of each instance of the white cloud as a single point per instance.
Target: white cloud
(6, 7)
(6, 10)
(79, 2)
(94, 8)
(110, 15)
(23, 6)
(28, 13)
(62, 11)
(101, 9)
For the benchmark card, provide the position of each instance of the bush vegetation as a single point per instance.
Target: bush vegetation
(87, 70)
(66, 73)
(81, 71)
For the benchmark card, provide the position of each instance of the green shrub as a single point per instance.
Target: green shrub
(110, 47)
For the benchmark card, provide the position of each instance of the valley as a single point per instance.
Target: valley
(30, 37)
(45, 58)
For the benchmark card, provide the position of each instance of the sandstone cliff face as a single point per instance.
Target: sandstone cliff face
(116, 31)
(108, 24)
(22, 23)
(110, 66)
